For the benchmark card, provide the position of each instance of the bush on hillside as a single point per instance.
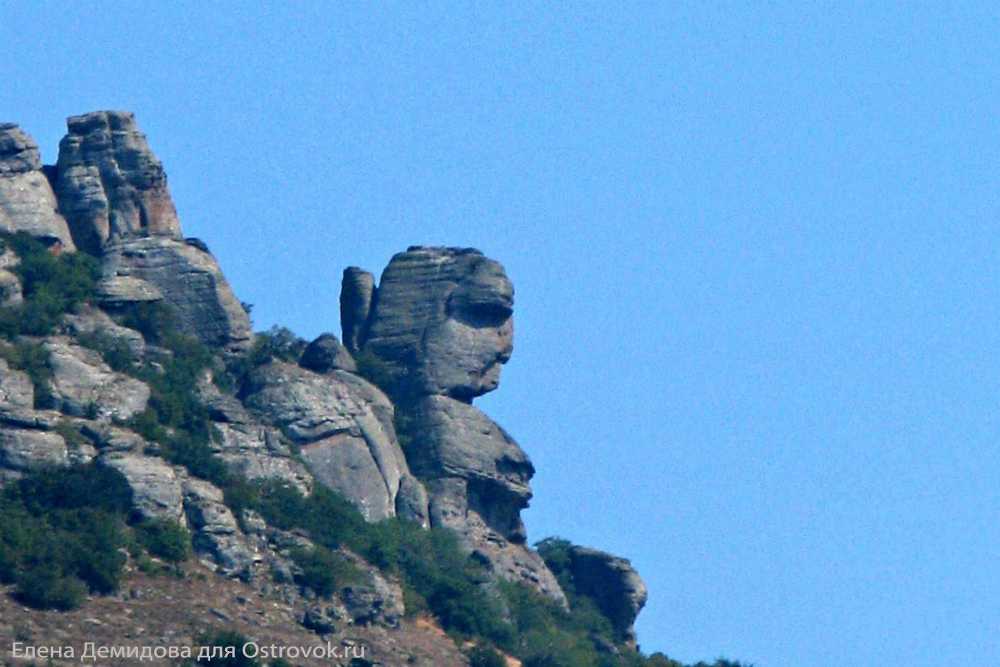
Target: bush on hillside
(52, 285)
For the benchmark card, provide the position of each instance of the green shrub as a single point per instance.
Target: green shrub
(484, 656)
(277, 343)
(175, 418)
(52, 285)
(45, 586)
(155, 320)
(165, 539)
(61, 533)
(71, 434)
(324, 571)
(436, 574)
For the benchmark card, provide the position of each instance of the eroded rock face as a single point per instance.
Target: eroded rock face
(343, 427)
(454, 440)
(185, 277)
(27, 202)
(93, 322)
(23, 449)
(11, 292)
(16, 389)
(612, 583)
(110, 184)
(156, 489)
(356, 294)
(83, 385)
(441, 321)
(216, 533)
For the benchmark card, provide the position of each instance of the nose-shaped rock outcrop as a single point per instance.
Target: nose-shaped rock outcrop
(27, 202)
(110, 184)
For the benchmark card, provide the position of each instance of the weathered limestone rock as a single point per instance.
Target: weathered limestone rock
(186, 277)
(454, 440)
(27, 202)
(16, 389)
(83, 385)
(441, 322)
(109, 183)
(612, 583)
(477, 480)
(25, 449)
(252, 449)
(326, 354)
(90, 321)
(216, 532)
(343, 426)
(11, 293)
(356, 294)
(412, 502)
(156, 489)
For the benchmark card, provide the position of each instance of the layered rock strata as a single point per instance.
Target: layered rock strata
(27, 202)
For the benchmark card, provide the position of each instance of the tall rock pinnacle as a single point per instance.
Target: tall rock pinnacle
(437, 330)
(110, 185)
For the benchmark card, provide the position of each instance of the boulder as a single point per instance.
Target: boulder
(326, 354)
(16, 388)
(612, 583)
(185, 277)
(216, 533)
(24, 449)
(83, 385)
(441, 323)
(343, 427)
(27, 202)
(156, 489)
(110, 184)
(356, 294)
(373, 600)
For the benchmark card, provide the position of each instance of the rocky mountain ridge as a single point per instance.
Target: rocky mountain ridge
(384, 420)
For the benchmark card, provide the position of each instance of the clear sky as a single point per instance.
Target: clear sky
(755, 251)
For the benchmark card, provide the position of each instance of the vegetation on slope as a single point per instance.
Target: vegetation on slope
(62, 532)
(52, 285)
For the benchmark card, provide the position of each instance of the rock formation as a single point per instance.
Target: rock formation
(612, 583)
(343, 428)
(27, 202)
(440, 321)
(438, 329)
(160, 269)
(385, 419)
(110, 185)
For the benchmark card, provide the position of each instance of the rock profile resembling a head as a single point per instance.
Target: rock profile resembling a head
(440, 321)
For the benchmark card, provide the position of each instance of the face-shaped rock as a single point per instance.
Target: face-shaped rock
(441, 322)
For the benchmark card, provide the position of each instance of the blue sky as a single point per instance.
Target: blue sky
(755, 252)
